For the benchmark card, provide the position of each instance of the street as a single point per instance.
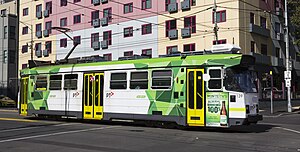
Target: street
(274, 133)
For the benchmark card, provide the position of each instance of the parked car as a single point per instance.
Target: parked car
(7, 102)
(277, 94)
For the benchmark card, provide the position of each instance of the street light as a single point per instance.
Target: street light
(31, 38)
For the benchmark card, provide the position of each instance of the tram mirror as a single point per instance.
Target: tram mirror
(206, 77)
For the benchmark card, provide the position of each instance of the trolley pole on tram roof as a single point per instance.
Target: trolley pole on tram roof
(287, 73)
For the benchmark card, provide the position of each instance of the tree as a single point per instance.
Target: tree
(294, 14)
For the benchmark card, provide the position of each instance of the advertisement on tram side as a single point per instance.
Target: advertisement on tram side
(217, 109)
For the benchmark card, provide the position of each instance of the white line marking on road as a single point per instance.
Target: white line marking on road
(57, 133)
(287, 129)
(27, 128)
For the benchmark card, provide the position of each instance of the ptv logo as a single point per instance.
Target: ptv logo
(110, 94)
(76, 94)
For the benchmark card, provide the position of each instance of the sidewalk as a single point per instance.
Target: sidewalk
(279, 108)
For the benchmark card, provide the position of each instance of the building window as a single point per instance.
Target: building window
(128, 53)
(24, 48)
(128, 32)
(263, 22)
(48, 26)
(172, 49)
(76, 1)
(5, 32)
(147, 52)
(146, 4)
(146, 29)
(264, 49)
(55, 82)
(170, 25)
(24, 66)
(277, 52)
(3, 12)
(107, 36)
(128, 8)
(63, 22)
(139, 80)
(107, 13)
(39, 8)
(220, 42)
(190, 22)
(25, 11)
(277, 28)
(107, 57)
(252, 46)
(25, 30)
(161, 79)
(94, 38)
(38, 50)
(189, 47)
(77, 19)
(77, 40)
(95, 15)
(221, 16)
(49, 7)
(252, 18)
(63, 43)
(63, 2)
(70, 82)
(193, 2)
(48, 46)
(118, 81)
(38, 27)
(215, 82)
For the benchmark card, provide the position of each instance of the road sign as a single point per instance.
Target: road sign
(287, 83)
(287, 74)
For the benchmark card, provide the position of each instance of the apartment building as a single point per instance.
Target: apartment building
(8, 49)
(117, 28)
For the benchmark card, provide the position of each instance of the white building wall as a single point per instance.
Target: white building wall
(136, 43)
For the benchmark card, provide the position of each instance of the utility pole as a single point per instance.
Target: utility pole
(288, 72)
(215, 20)
(31, 43)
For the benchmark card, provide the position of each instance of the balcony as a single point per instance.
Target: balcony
(279, 37)
(104, 1)
(279, 11)
(96, 2)
(38, 34)
(39, 14)
(38, 53)
(259, 30)
(104, 21)
(104, 44)
(186, 32)
(46, 13)
(185, 5)
(46, 53)
(96, 45)
(96, 22)
(173, 34)
(173, 7)
(46, 33)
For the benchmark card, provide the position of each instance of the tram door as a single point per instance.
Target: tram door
(24, 96)
(93, 96)
(195, 97)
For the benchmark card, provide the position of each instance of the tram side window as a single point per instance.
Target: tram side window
(118, 81)
(139, 80)
(41, 83)
(161, 79)
(215, 81)
(55, 82)
(70, 82)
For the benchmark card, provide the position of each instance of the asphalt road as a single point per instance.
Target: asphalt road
(17, 134)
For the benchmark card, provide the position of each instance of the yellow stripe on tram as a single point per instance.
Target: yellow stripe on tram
(238, 109)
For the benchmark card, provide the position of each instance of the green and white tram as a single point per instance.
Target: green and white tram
(208, 90)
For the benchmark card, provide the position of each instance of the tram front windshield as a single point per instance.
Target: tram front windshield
(240, 80)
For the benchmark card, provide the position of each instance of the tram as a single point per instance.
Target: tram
(214, 88)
